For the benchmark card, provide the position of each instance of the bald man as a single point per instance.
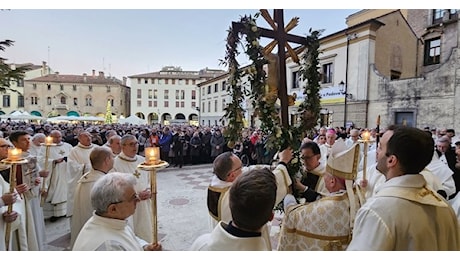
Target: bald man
(101, 163)
(114, 143)
(56, 184)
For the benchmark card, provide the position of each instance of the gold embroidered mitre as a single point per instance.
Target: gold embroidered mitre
(343, 161)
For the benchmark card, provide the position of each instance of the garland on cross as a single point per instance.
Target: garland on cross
(263, 93)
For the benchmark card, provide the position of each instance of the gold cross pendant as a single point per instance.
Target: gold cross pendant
(137, 174)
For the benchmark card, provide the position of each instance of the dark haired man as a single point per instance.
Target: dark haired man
(30, 188)
(252, 199)
(405, 214)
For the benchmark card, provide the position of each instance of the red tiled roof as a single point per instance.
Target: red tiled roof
(77, 79)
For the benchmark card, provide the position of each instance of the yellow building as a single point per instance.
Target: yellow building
(13, 98)
(76, 95)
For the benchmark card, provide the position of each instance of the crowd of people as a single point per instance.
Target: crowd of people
(342, 198)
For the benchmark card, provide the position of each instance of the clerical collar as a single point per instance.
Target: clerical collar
(238, 232)
(124, 157)
(84, 146)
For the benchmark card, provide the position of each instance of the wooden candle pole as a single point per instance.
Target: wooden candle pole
(153, 189)
(10, 207)
(43, 198)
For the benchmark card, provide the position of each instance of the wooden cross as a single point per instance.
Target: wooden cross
(280, 35)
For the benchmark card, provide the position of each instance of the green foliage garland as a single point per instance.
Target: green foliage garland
(278, 137)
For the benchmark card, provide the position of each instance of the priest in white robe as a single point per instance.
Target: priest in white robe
(127, 162)
(56, 184)
(35, 144)
(227, 168)
(327, 223)
(31, 180)
(101, 163)
(18, 236)
(6, 199)
(114, 199)
(79, 158)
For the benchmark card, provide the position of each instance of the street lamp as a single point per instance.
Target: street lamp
(343, 88)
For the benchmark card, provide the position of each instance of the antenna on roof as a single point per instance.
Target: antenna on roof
(49, 55)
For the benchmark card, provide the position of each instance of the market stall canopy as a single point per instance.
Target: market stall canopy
(75, 118)
(133, 119)
(18, 115)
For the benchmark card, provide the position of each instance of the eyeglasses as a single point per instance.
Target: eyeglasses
(135, 197)
(132, 144)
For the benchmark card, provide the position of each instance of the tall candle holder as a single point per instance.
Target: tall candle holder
(366, 139)
(48, 143)
(152, 164)
(12, 160)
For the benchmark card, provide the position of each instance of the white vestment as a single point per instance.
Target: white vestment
(444, 173)
(283, 181)
(18, 234)
(57, 181)
(141, 220)
(83, 210)
(79, 157)
(107, 234)
(35, 224)
(413, 205)
(34, 150)
(374, 179)
(220, 240)
(323, 224)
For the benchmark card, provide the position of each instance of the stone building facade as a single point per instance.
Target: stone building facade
(76, 95)
(430, 99)
(169, 96)
(13, 98)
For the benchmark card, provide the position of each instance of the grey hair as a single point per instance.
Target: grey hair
(110, 189)
(38, 135)
(126, 138)
(113, 138)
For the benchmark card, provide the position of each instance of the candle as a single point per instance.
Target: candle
(14, 154)
(366, 136)
(48, 140)
(152, 155)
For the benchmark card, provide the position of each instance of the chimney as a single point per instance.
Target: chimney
(44, 70)
(84, 77)
(101, 74)
(94, 73)
(124, 81)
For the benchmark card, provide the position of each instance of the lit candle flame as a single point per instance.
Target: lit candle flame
(366, 136)
(14, 154)
(48, 140)
(152, 155)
